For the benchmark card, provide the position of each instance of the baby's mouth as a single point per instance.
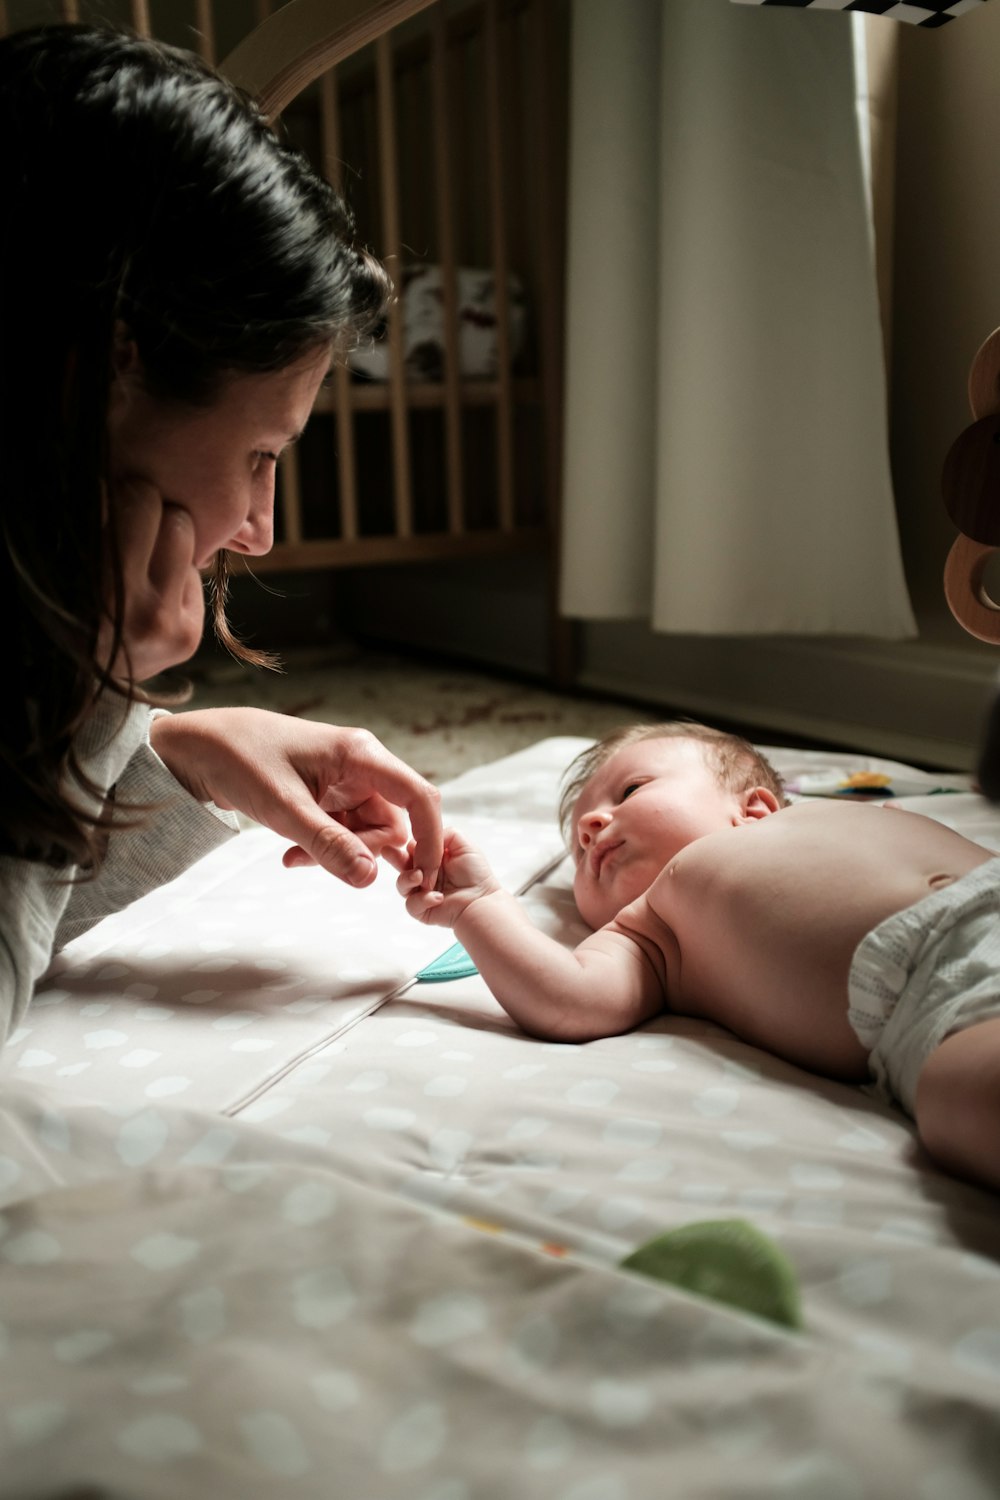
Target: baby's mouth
(600, 856)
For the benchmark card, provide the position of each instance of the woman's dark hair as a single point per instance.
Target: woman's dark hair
(142, 192)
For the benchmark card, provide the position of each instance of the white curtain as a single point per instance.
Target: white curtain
(726, 467)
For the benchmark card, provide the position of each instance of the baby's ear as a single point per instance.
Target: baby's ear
(759, 802)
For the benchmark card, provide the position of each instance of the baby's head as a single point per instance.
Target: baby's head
(632, 801)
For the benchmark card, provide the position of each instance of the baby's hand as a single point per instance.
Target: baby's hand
(464, 877)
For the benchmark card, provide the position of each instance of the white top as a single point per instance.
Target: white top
(42, 909)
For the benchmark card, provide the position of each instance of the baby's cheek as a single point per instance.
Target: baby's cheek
(590, 903)
(578, 891)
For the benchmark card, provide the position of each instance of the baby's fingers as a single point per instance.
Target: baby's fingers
(408, 881)
(424, 905)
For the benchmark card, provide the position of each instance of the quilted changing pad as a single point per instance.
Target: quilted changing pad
(276, 1220)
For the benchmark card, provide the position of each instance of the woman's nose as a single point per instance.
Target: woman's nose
(591, 824)
(256, 535)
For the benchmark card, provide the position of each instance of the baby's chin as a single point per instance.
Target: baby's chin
(599, 905)
(597, 908)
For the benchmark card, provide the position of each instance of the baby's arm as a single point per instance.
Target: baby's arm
(610, 983)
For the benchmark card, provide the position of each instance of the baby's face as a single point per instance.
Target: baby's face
(634, 814)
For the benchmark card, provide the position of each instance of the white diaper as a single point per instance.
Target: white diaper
(931, 969)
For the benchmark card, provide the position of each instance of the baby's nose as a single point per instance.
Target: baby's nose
(590, 827)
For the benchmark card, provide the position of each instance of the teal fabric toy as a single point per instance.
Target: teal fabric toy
(454, 963)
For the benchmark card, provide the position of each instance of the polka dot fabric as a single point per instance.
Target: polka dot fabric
(274, 1220)
(262, 1328)
(210, 989)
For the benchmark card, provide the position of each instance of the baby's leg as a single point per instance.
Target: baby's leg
(958, 1103)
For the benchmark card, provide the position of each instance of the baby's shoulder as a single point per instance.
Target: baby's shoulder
(645, 923)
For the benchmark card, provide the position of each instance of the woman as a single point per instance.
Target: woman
(174, 282)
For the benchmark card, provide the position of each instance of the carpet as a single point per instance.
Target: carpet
(441, 719)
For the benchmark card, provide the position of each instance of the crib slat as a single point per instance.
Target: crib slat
(206, 30)
(139, 11)
(494, 135)
(449, 279)
(3, 17)
(546, 129)
(70, 10)
(291, 493)
(389, 173)
(344, 429)
(262, 9)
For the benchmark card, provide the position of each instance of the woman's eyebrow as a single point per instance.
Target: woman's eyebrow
(290, 439)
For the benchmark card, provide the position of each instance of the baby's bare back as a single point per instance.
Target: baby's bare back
(763, 921)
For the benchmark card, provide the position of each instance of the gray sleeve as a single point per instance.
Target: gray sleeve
(32, 901)
(41, 909)
(174, 832)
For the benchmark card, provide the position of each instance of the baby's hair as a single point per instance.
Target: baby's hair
(738, 764)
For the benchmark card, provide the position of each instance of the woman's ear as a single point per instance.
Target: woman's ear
(124, 353)
(759, 802)
(125, 367)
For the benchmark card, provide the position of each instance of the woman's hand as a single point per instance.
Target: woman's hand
(337, 793)
(164, 608)
(465, 875)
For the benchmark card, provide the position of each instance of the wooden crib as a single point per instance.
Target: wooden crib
(443, 125)
(448, 131)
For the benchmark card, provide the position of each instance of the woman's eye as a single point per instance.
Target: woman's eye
(261, 454)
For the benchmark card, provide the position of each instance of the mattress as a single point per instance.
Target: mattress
(278, 1218)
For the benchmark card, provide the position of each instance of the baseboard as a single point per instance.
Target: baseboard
(910, 700)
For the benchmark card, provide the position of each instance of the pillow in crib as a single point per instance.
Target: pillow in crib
(422, 298)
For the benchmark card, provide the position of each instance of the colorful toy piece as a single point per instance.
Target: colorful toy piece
(916, 12)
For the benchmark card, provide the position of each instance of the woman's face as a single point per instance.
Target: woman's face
(215, 462)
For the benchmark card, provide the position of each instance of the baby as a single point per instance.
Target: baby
(855, 940)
